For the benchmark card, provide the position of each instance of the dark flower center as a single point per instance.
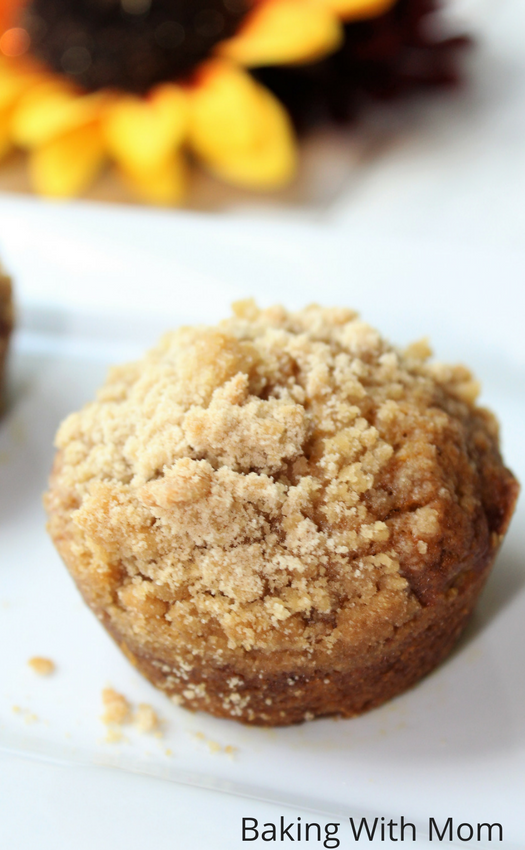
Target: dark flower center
(129, 44)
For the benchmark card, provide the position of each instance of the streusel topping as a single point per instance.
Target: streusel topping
(281, 481)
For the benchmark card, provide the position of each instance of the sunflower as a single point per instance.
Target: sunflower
(142, 84)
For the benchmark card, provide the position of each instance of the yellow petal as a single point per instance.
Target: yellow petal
(240, 130)
(142, 133)
(164, 185)
(15, 80)
(358, 10)
(284, 31)
(14, 85)
(66, 166)
(50, 110)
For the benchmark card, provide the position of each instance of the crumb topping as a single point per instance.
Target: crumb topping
(282, 481)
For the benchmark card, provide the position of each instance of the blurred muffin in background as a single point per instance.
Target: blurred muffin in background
(6, 322)
(145, 85)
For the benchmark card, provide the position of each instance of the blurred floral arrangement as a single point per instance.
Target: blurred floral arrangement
(147, 84)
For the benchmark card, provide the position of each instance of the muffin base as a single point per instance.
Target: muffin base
(269, 689)
(304, 691)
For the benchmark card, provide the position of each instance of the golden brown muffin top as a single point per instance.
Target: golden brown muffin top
(281, 481)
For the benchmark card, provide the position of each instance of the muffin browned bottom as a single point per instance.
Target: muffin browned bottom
(305, 691)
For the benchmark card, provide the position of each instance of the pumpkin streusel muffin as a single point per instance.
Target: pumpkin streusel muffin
(283, 516)
(6, 322)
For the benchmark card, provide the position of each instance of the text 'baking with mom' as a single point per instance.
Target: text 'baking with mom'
(369, 829)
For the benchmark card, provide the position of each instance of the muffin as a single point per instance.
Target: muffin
(6, 322)
(284, 516)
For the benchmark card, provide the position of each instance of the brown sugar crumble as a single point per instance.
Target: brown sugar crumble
(42, 666)
(282, 516)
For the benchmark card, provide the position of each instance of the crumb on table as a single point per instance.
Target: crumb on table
(113, 735)
(146, 718)
(214, 746)
(117, 708)
(118, 711)
(28, 716)
(42, 666)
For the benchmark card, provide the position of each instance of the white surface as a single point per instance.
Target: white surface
(95, 287)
